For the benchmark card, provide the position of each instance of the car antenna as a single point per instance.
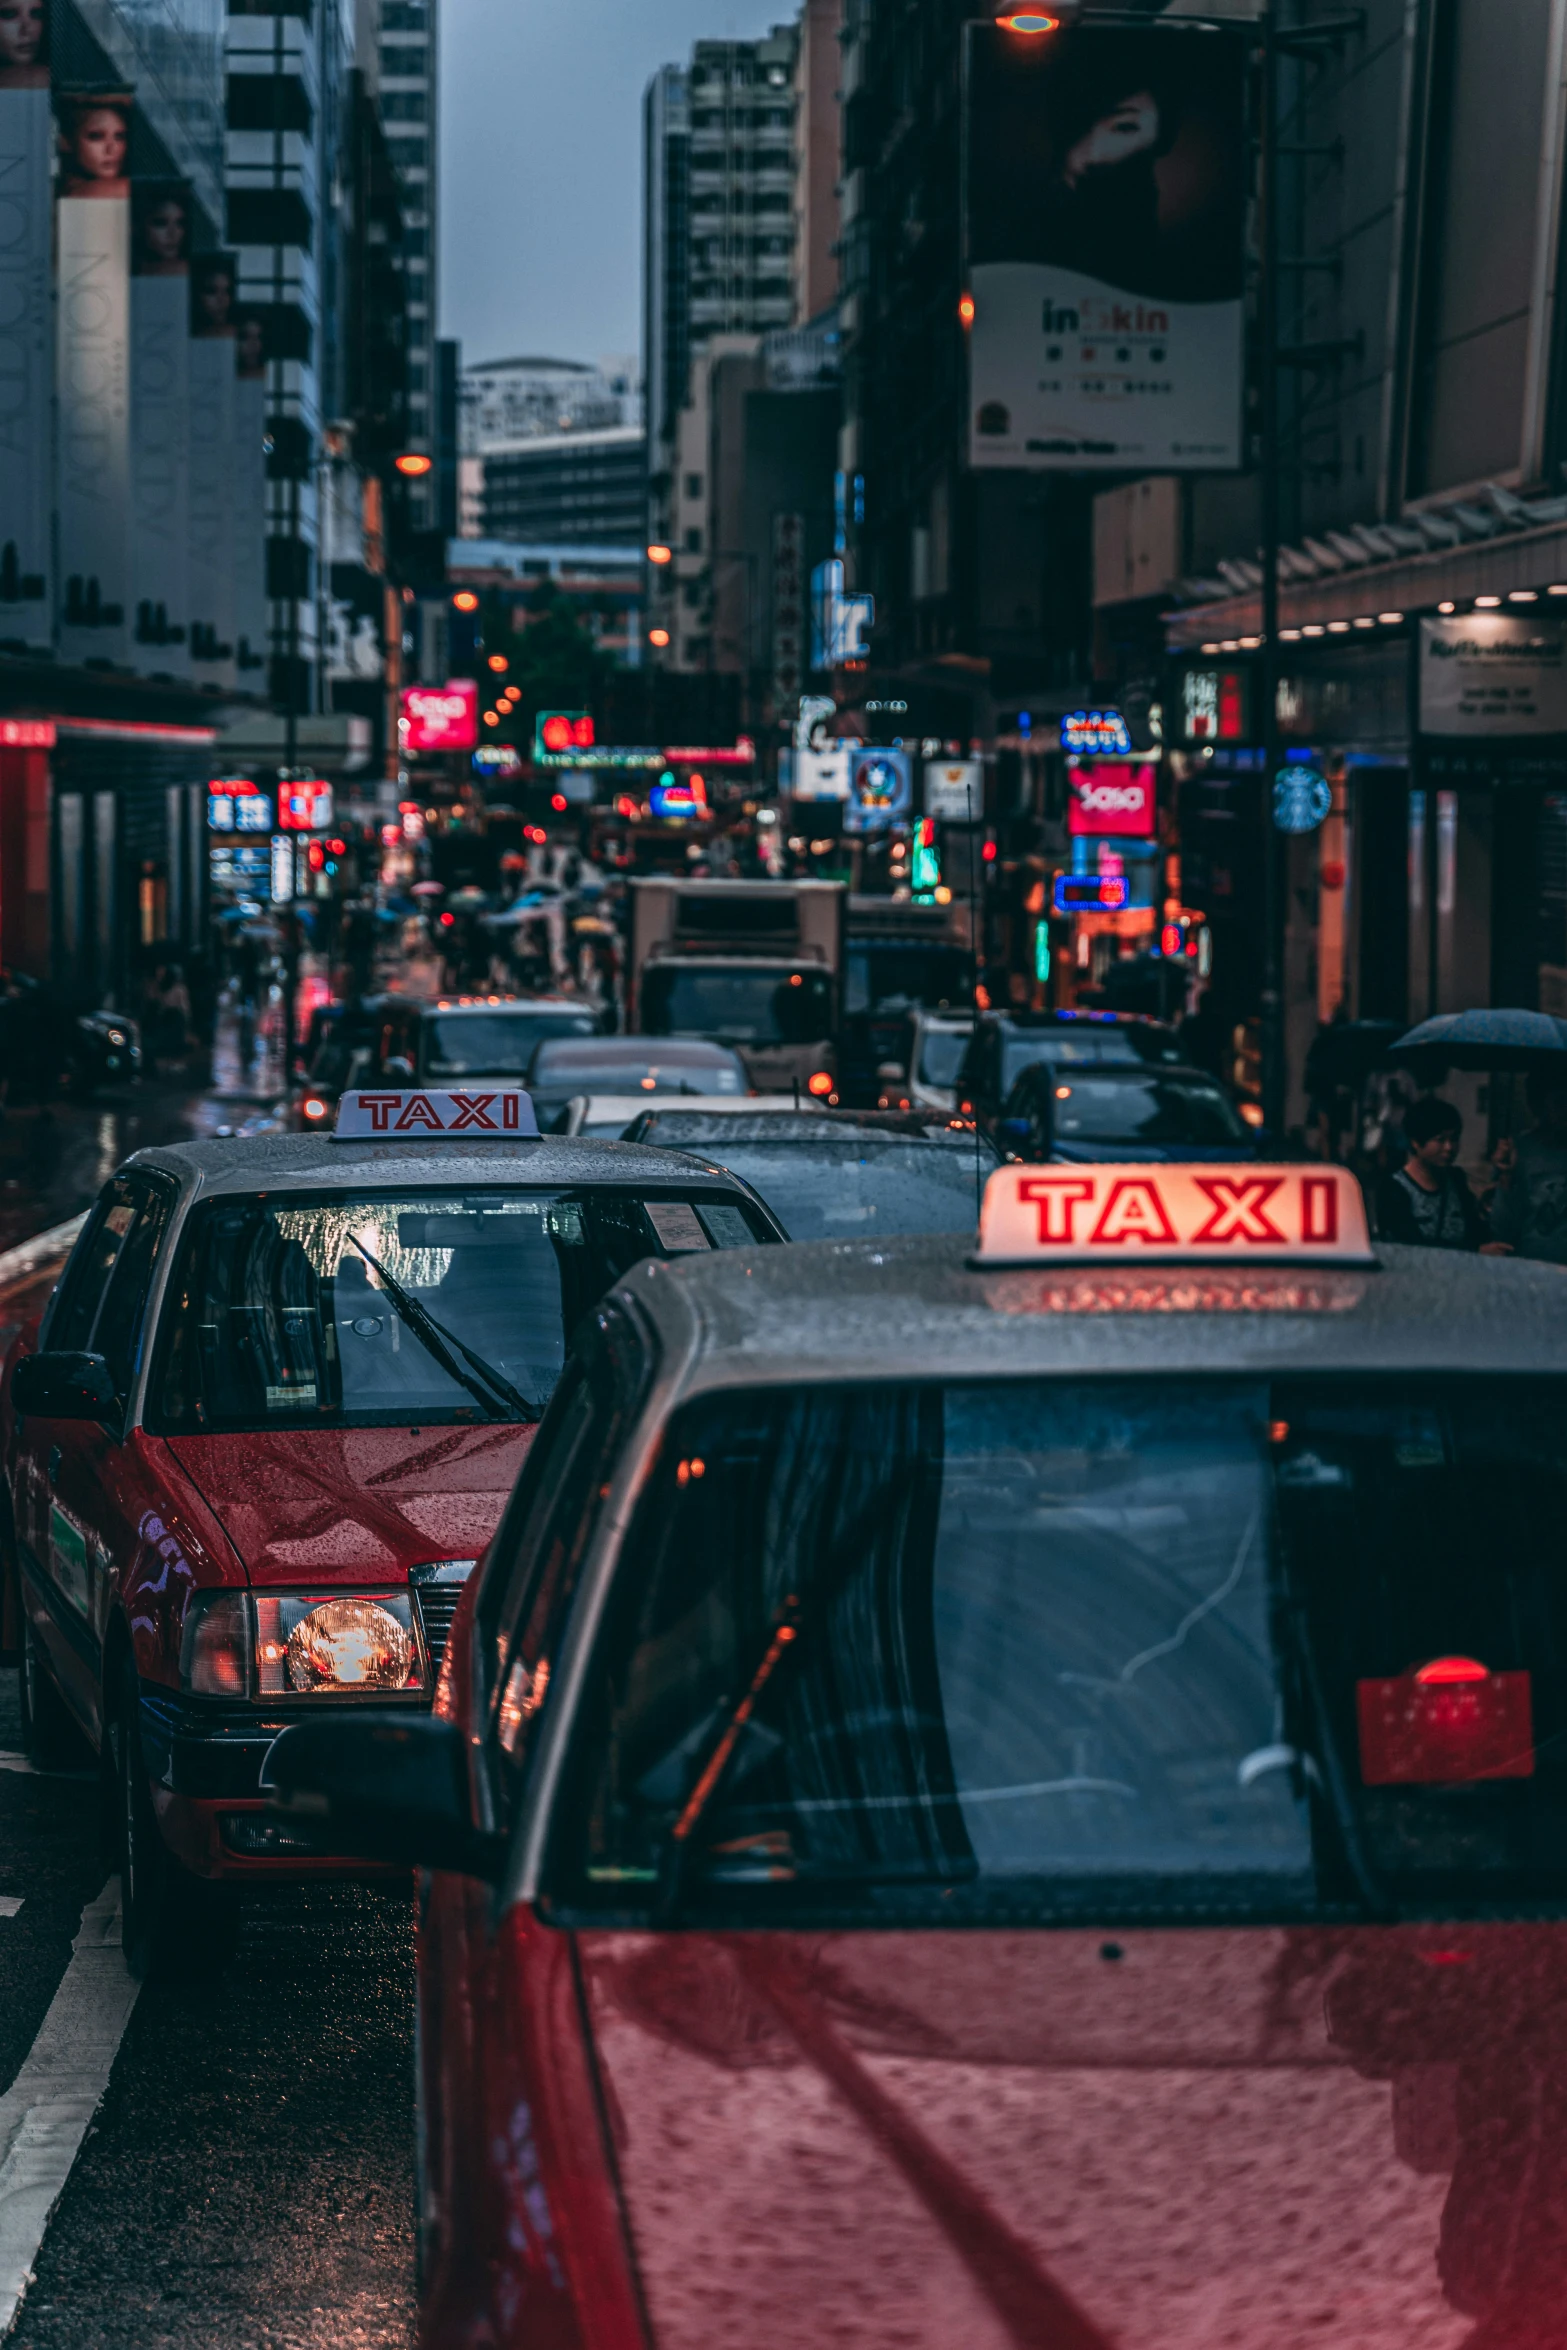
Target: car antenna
(974, 918)
(797, 1089)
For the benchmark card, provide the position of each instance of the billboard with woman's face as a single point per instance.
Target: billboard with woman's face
(95, 144)
(92, 372)
(27, 139)
(213, 277)
(24, 45)
(160, 228)
(1105, 227)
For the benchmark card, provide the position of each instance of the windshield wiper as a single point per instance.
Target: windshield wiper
(439, 1342)
(1333, 1777)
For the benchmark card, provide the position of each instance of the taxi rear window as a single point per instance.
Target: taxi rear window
(1042, 1651)
(391, 1307)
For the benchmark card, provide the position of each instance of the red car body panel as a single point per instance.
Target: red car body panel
(353, 1505)
(1012, 2141)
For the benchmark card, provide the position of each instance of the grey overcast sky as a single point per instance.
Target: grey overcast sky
(541, 163)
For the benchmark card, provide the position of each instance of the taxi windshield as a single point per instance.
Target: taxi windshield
(1044, 1651)
(428, 1306)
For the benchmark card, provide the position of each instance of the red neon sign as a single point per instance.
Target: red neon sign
(441, 717)
(26, 734)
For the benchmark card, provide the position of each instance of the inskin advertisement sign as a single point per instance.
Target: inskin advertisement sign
(1105, 226)
(92, 374)
(1109, 800)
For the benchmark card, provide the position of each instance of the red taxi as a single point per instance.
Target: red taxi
(1007, 1798)
(269, 1421)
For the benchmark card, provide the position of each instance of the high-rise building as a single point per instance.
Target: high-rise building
(568, 489)
(818, 117)
(718, 247)
(406, 35)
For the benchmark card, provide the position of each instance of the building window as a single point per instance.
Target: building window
(403, 16)
(405, 106)
(694, 540)
(693, 485)
(412, 60)
(268, 102)
(268, 216)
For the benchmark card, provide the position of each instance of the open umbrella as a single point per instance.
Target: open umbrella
(428, 889)
(1501, 1039)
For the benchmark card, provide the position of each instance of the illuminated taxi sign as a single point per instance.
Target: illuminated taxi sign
(493, 1114)
(1094, 1214)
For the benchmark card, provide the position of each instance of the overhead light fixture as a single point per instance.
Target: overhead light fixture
(465, 600)
(1313, 628)
(1249, 644)
(1557, 591)
(1523, 595)
(1029, 20)
(966, 308)
(659, 637)
(1365, 621)
(499, 663)
(1338, 628)
(1289, 636)
(1210, 648)
(1390, 619)
(1487, 603)
(1450, 606)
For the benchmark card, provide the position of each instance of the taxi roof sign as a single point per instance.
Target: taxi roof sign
(1061, 1214)
(501, 1113)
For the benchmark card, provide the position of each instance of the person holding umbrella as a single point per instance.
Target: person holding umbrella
(1529, 1217)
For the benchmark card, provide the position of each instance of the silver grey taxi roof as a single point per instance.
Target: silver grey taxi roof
(315, 1162)
(911, 1308)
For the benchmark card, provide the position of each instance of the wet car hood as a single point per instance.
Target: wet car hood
(1062, 2141)
(354, 1505)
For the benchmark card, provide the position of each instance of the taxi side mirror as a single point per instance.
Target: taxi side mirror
(1016, 1134)
(65, 1387)
(382, 1786)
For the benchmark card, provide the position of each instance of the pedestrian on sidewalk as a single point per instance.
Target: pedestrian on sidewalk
(1427, 1203)
(1529, 1217)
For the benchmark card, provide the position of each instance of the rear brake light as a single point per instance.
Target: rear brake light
(1446, 1723)
(819, 1083)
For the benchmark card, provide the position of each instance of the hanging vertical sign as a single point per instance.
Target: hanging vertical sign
(160, 427)
(211, 491)
(1105, 241)
(26, 371)
(250, 498)
(92, 375)
(788, 609)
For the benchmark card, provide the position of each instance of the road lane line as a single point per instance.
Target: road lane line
(10, 1903)
(28, 1255)
(18, 1762)
(45, 2113)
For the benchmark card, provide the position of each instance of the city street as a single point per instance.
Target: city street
(248, 2179)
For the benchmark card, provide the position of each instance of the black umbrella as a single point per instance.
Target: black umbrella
(1502, 1039)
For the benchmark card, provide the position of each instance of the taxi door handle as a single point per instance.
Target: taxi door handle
(54, 1463)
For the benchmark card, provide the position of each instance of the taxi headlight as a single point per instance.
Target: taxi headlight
(348, 1644)
(335, 1643)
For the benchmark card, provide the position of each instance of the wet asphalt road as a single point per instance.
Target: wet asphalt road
(248, 2181)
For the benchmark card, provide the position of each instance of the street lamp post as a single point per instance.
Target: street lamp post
(1275, 844)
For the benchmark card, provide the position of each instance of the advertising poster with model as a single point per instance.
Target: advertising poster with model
(1106, 208)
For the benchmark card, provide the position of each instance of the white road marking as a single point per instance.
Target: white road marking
(18, 1762)
(10, 1903)
(45, 2113)
(28, 1255)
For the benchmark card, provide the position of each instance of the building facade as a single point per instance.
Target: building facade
(584, 488)
(718, 250)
